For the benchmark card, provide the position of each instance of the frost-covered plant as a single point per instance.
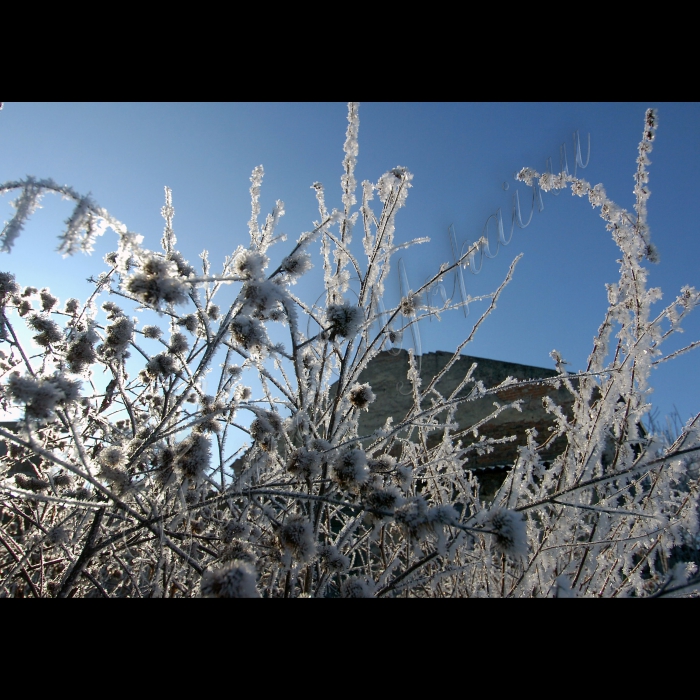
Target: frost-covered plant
(134, 485)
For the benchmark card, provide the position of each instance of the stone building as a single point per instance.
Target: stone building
(386, 375)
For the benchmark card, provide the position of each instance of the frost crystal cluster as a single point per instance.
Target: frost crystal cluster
(129, 476)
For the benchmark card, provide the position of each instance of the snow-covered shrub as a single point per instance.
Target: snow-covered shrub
(134, 486)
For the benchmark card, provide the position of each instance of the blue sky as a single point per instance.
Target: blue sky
(462, 156)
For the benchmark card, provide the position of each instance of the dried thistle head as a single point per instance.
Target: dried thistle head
(234, 529)
(238, 551)
(356, 587)
(152, 332)
(266, 428)
(361, 396)
(234, 581)
(48, 300)
(350, 469)
(57, 535)
(344, 319)
(333, 559)
(306, 464)
(190, 322)
(8, 285)
(296, 536)
(178, 343)
(509, 531)
(409, 304)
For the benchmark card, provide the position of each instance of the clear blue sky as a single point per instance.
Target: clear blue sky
(460, 154)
